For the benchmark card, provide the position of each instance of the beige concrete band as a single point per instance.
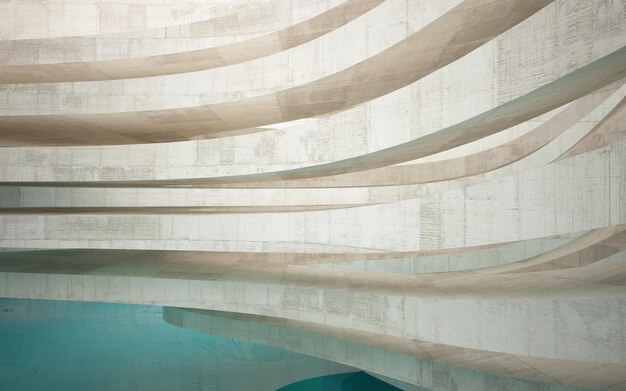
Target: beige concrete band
(579, 83)
(408, 360)
(448, 38)
(190, 61)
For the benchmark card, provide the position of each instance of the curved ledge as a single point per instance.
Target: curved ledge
(579, 83)
(190, 61)
(165, 210)
(254, 258)
(448, 38)
(346, 346)
(219, 24)
(177, 14)
(610, 129)
(584, 250)
(400, 218)
(470, 259)
(411, 307)
(595, 281)
(364, 308)
(461, 167)
(31, 196)
(590, 247)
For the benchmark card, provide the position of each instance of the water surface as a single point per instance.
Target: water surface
(65, 346)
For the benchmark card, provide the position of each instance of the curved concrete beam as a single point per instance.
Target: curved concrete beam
(408, 360)
(468, 259)
(165, 210)
(234, 83)
(24, 20)
(611, 129)
(590, 247)
(256, 258)
(190, 61)
(405, 114)
(557, 93)
(227, 23)
(38, 197)
(493, 282)
(435, 220)
(548, 97)
(566, 253)
(593, 282)
(461, 167)
(448, 38)
(406, 310)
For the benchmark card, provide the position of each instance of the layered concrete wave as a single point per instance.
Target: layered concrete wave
(609, 131)
(387, 71)
(429, 192)
(229, 23)
(415, 362)
(408, 113)
(163, 210)
(550, 96)
(142, 200)
(30, 201)
(26, 19)
(187, 61)
(185, 280)
(580, 252)
(434, 220)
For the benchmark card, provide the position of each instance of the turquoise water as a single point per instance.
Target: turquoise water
(356, 381)
(65, 346)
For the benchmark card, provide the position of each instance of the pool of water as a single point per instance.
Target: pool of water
(65, 346)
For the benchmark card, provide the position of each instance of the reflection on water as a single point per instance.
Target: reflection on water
(355, 381)
(62, 346)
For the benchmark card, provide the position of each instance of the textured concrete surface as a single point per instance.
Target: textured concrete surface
(456, 33)
(181, 61)
(431, 191)
(366, 350)
(503, 300)
(33, 19)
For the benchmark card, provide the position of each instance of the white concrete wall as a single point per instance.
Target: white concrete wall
(529, 199)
